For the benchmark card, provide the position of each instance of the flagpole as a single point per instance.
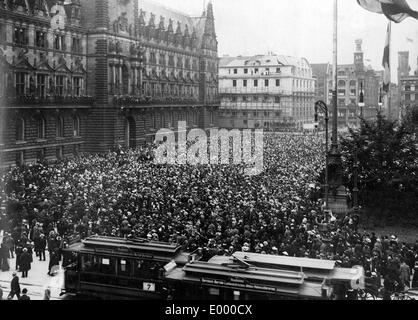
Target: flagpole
(335, 70)
(390, 64)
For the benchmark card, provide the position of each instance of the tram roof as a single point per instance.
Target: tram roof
(207, 269)
(127, 246)
(285, 261)
(280, 282)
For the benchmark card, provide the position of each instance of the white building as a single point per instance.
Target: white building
(272, 92)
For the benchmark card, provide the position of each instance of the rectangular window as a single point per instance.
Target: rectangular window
(76, 46)
(266, 82)
(277, 99)
(244, 83)
(255, 83)
(244, 99)
(256, 70)
(20, 83)
(278, 70)
(162, 59)
(2, 33)
(245, 71)
(234, 83)
(41, 81)
(20, 36)
(277, 82)
(40, 39)
(60, 85)
(59, 42)
(77, 86)
(235, 71)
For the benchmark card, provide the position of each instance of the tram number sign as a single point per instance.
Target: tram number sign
(148, 286)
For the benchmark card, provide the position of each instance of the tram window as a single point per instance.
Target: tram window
(107, 265)
(237, 295)
(124, 267)
(214, 291)
(146, 269)
(90, 263)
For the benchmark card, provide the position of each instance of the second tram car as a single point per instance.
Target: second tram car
(114, 268)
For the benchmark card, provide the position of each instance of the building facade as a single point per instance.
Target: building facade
(44, 103)
(352, 80)
(88, 75)
(322, 73)
(269, 92)
(408, 85)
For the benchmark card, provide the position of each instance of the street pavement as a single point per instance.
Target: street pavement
(37, 281)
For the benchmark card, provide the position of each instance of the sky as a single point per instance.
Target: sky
(304, 28)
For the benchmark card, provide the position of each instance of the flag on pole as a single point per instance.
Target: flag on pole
(386, 61)
(394, 10)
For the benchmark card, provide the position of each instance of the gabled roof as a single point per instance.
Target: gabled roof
(44, 65)
(196, 24)
(23, 63)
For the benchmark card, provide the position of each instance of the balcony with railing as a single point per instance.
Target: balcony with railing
(254, 91)
(28, 100)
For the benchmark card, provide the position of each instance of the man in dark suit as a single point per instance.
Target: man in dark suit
(24, 296)
(14, 287)
(42, 247)
(25, 262)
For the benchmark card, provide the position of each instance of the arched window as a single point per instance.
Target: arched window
(353, 83)
(41, 128)
(60, 127)
(76, 126)
(341, 83)
(20, 129)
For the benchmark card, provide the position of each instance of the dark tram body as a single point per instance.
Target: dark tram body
(114, 268)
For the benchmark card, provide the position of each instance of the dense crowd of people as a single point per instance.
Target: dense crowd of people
(214, 207)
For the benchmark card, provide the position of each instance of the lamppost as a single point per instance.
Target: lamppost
(355, 165)
(324, 108)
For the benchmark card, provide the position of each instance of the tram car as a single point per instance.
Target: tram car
(118, 268)
(113, 268)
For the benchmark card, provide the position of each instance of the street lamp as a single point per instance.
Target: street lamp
(324, 108)
(355, 165)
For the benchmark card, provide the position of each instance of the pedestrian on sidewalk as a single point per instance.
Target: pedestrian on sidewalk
(14, 287)
(10, 244)
(24, 295)
(42, 247)
(4, 257)
(25, 262)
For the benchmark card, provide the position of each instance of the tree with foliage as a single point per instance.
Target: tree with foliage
(387, 164)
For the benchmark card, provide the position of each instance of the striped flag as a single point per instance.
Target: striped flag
(394, 10)
(386, 61)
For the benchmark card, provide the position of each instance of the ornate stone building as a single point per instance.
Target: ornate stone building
(44, 105)
(149, 67)
(87, 75)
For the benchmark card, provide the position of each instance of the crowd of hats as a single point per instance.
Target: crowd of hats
(217, 208)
